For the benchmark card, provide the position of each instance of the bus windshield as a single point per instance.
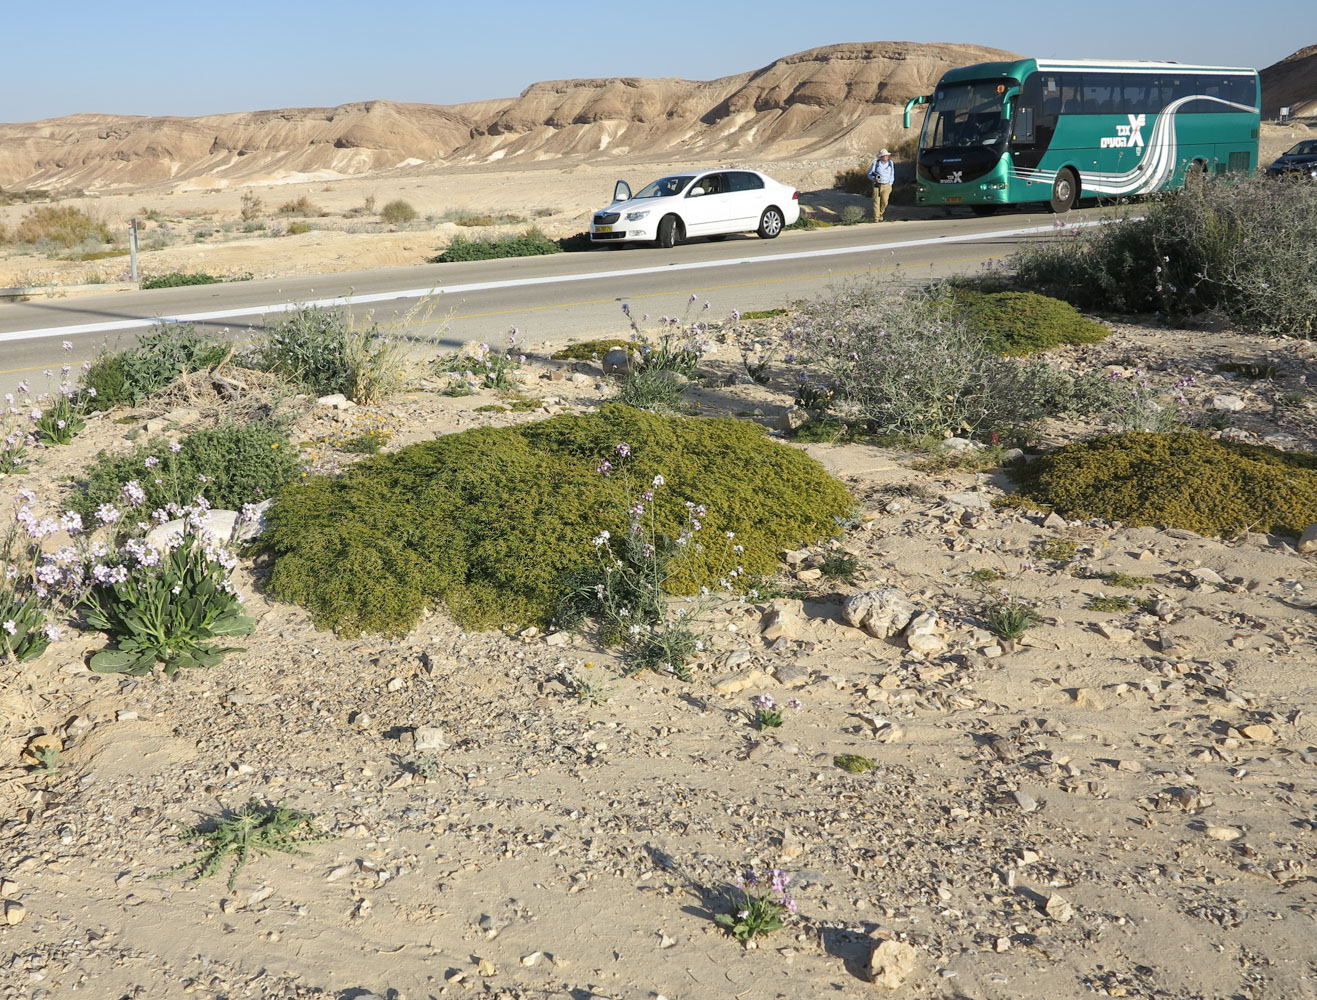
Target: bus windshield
(967, 114)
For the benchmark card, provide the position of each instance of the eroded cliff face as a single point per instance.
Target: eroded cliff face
(811, 103)
(1291, 83)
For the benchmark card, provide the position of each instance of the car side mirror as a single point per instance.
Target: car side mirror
(621, 191)
(695, 192)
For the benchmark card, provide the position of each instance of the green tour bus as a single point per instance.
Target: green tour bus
(1057, 130)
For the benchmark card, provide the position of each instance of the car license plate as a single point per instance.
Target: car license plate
(955, 201)
(603, 229)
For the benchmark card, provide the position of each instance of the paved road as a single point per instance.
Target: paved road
(549, 299)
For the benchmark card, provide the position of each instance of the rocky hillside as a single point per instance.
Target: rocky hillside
(834, 100)
(1291, 83)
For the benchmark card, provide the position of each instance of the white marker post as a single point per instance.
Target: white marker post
(132, 248)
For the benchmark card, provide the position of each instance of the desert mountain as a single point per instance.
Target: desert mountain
(1291, 83)
(834, 100)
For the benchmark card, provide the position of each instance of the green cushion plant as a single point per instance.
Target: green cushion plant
(495, 523)
(1021, 323)
(1178, 480)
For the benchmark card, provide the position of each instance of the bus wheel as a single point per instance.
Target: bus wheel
(984, 209)
(1065, 192)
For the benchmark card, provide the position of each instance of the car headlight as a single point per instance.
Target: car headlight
(636, 216)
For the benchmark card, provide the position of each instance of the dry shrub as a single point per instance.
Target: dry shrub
(62, 224)
(302, 206)
(397, 211)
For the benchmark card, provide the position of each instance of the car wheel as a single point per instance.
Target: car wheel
(1065, 192)
(770, 223)
(669, 232)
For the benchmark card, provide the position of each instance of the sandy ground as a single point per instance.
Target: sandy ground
(202, 229)
(1080, 815)
(558, 199)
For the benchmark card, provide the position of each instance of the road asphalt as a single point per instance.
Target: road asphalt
(550, 300)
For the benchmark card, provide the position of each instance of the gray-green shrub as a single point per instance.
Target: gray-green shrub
(160, 355)
(910, 363)
(318, 347)
(1240, 245)
(229, 465)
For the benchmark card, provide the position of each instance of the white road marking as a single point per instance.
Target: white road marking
(481, 286)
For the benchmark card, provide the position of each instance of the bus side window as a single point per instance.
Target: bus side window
(1158, 96)
(1134, 93)
(1051, 105)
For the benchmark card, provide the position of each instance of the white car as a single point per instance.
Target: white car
(712, 203)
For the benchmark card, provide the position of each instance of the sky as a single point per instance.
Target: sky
(180, 58)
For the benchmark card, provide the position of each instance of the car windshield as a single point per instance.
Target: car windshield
(966, 114)
(665, 187)
(1306, 148)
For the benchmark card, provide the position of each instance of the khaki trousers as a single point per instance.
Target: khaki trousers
(882, 194)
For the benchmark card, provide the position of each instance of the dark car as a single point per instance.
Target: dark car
(1301, 161)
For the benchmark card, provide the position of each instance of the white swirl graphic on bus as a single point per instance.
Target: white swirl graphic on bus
(1155, 168)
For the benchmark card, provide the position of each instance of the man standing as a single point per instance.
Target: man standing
(882, 173)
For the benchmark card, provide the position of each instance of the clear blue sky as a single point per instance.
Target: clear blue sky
(146, 57)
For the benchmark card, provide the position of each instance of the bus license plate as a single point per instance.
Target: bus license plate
(603, 229)
(955, 201)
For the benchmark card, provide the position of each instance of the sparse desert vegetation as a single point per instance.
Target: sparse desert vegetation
(944, 637)
(690, 595)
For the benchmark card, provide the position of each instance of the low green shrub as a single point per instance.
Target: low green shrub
(397, 212)
(160, 355)
(298, 228)
(1021, 323)
(854, 763)
(591, 350)
(320, 349)
(531, 243)
(61, 224)
(229, 465)
(177, 279)
(1110, 604)
(1179, 481)
(494, 522)
(809, 222)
